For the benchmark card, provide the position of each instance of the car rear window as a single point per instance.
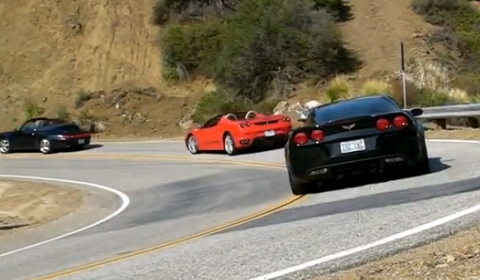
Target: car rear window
(354, 108)
(70, 128)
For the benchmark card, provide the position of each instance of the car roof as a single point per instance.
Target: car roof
(354, 99)
(45, 119)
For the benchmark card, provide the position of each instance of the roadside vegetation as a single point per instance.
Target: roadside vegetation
(456, 75)
(254, 50)
(259, 51)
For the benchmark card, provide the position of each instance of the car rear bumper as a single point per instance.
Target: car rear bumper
(259, 139)
(71, 143)
(362, 166)
(313, 163)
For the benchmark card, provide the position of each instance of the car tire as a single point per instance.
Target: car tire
(229, 145)
(299, 188)
(45, 146)
(4, 146)
(192, 145)
(423, 166)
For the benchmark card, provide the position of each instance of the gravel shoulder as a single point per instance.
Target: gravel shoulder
(26, 205)
(454, 257)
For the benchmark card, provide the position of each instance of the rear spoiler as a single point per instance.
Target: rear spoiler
(305, 110)
(303, 114)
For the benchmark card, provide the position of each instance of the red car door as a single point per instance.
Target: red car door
(208, 135)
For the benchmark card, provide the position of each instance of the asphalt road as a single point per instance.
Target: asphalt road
(172, 199)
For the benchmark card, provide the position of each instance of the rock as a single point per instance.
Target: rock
(97, 127)
(186, 123)
(303, 112)
(295, 107)
(311, 104)
(418, 35)
(450, 258)
(281, 108)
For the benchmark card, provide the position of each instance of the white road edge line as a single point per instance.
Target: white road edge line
(125, 202)
(380, 242)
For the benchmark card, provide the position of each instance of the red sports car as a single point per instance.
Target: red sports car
(236, 131)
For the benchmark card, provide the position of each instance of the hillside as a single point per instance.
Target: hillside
(54, 53)
(376, 29)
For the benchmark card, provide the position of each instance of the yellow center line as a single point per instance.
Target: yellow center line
(153, 157)
(289, 201)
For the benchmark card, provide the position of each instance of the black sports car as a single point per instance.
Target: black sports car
(349, 137)
(44, 134)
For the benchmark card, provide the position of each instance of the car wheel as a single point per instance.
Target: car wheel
(229, 145)
(192, 145)
(424, 166)
(4, 146)
(301, 189)
(45, 146)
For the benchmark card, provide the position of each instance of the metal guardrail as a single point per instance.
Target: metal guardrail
(451, 111)
(437, 112)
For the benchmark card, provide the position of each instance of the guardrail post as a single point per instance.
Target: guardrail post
(441, 123)
(473, 122)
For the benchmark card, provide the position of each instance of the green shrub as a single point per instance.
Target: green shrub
(426, 97)
(160, 13)
(436, 11)
(190, 10)
(266, 106)
(63, 113)
(339, 9)
(374, 87)
(279, 40)
(260, 47)
(32, 109)
(190, 47)
(460, 21)
(214, 103)
(338, 88)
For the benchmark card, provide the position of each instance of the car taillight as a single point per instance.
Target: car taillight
(382, 124)
(286, 119)
(400, 121)
(74, 136)
(300, 138)
(317, 135)
(245, 124)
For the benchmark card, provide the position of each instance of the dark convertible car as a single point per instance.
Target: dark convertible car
(348, 137)
(45, 135)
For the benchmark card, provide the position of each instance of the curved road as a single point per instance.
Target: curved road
(174, 194)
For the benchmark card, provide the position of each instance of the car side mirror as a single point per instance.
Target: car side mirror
(416, 112)
(15, 129)
(198, 126)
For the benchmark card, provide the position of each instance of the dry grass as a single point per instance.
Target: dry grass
(453, 258)
(372, 87)
(459, 133)
(26, 204)
(338, 88)
(427, 74)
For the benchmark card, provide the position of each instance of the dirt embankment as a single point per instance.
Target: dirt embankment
(24, 205)
(55, 52)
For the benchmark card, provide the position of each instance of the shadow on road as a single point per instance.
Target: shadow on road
(367, 202)
(90, 147)
(436, 165)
